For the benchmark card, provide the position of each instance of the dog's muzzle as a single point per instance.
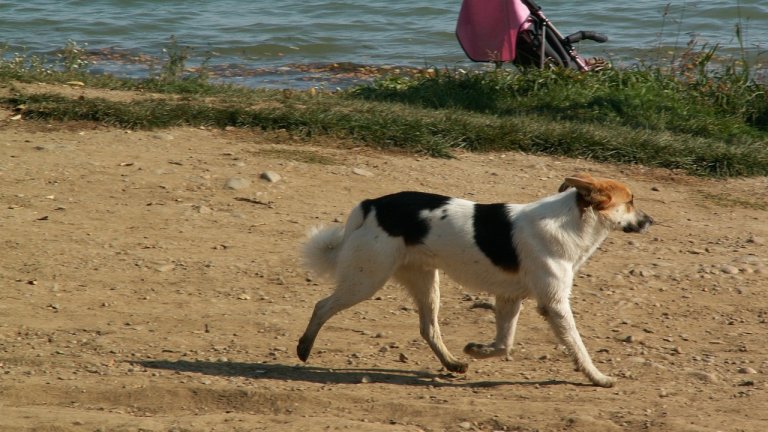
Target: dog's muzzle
(643, 223)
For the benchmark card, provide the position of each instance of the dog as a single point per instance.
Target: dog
(513, 251)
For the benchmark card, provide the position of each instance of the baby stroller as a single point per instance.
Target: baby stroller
(517, 31)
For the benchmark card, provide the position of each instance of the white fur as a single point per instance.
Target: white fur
(553, 237)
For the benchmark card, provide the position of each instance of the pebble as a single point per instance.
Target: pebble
(202, 209)
(746, 370)
(747, 259)
(165, 267)
(362, 172)
(163, 136)
(465, 425)
(705, 377)
(237, 183)
(729, 269)
(641, 272)
(270, 176)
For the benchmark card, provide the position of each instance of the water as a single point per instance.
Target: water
(280, 43)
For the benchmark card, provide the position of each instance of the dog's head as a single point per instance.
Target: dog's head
(612, 200)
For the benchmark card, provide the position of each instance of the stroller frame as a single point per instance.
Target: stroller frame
(527, 41)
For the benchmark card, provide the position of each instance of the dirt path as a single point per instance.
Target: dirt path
(140, 293)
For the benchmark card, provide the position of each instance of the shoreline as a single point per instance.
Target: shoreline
(342, 74)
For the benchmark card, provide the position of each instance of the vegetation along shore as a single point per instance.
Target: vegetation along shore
(700, 115)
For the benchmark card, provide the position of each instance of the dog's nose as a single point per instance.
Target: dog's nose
(645, 222)
(649, 220)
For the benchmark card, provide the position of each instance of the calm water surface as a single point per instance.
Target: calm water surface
(260, 43)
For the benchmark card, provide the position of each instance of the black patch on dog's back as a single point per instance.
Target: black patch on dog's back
(493, 235)
(399, 214)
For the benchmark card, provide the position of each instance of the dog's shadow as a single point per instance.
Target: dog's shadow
(322, 375)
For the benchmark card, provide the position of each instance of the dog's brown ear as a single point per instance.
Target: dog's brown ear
(566, 184)
(589, 189)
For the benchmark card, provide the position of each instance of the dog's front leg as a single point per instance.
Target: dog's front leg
(507, 312)
(560, 318)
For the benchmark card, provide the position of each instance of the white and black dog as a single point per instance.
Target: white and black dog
(513, 251)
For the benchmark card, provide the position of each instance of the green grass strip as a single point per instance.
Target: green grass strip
(425, 130)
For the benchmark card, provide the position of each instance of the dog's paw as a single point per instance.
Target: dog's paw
(482, 351)
(457, 367)
(303, 349)
(603, 381)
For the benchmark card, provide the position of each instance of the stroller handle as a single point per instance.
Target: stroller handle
(590, 35)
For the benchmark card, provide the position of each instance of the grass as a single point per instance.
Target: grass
(699, 117)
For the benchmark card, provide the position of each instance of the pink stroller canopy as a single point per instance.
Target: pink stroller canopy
(487, 29)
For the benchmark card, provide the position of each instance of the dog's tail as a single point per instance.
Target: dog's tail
(321, 251)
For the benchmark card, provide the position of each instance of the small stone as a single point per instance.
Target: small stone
(746, 370)
(465, 425)
(705, 377)
(655, 189)
(202, 209)
(729, 269)
(163, 136)
(362, 172)
(243, 297)
(365, 379)
(403, 358)
(270, 176)
(756, 240)
(237, 183)
(165, 267)
(747, 259)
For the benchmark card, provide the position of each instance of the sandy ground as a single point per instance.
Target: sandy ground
(140, 292)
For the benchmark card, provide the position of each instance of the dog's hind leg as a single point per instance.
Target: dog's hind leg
(346, 295)
(507, 312)
(424, 286)
(560, 318)
(360, 274)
